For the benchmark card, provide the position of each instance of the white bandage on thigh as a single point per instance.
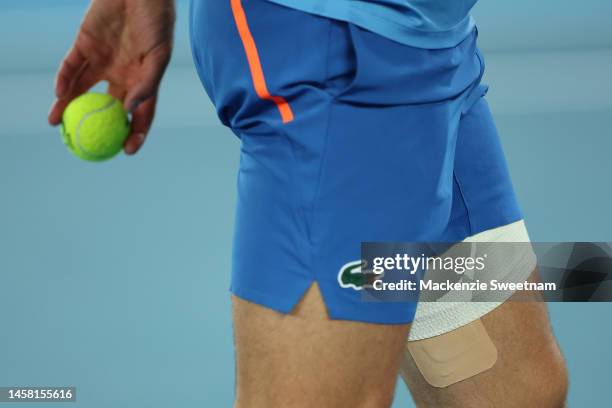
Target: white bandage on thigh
(447, 340)
(511, 263)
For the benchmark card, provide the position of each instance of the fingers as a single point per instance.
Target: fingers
(142, 118)
(83, 81)
(142, 98)
(79, 71)
(153, 68)
(69, 69)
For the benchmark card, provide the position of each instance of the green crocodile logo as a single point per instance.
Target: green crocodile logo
(353, 275)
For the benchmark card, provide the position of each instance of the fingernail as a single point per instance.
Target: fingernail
(135, 146)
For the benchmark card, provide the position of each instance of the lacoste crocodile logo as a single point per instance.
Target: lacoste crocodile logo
(353, 275)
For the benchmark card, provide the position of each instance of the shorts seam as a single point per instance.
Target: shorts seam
(463, 199)
(323, 159)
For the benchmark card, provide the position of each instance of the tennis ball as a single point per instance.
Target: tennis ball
(95, 126)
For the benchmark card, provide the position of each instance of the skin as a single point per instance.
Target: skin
(304, 359)
(304, 356)
(310, 360)
(127, 43)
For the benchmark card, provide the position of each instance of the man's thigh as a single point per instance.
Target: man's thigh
(304, 359)
(529, 371)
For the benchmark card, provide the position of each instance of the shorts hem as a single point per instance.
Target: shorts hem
(375, 313)
(282, 304)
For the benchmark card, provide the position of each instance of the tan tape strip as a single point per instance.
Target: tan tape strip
(454, 356)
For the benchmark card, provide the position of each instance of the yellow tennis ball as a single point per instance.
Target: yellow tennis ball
(95, 126)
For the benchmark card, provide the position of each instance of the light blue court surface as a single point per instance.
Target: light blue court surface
(114, 277)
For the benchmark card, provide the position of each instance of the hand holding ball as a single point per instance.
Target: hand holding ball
(95, 126)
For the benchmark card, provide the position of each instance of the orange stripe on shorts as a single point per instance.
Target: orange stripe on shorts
(259, 81)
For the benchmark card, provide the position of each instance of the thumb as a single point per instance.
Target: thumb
(152, 70)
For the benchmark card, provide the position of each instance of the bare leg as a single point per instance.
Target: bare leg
(307, 360)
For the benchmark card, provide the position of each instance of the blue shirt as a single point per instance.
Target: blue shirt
(418, 23)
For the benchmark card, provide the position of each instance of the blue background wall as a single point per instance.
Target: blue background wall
(114, 277)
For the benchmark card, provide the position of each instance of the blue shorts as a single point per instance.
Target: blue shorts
(346, 137)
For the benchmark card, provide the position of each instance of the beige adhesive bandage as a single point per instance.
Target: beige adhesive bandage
(454, 356)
